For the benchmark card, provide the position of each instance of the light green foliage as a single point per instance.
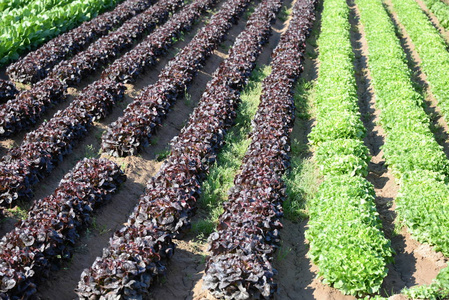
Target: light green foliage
(343, 156)
(12, 15)
(410, 148)
(336, 98)
(440, 10)
(34, 28)
(437, 290)
(423, 205)
(12, 4)
(337, 125)
(408, 151)
(430, 47)
(345, 240)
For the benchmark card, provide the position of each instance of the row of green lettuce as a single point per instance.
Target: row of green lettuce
(345, 236)
(410, 148)
(33, 30)
(440, 10)
(11, 16)
(12, 4)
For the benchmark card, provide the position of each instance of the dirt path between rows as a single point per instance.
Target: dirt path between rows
(415, 263)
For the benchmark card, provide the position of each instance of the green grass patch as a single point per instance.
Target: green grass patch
(221, 176)
(302, 179)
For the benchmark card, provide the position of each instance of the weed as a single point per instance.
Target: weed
(285, 13)
(162, 155)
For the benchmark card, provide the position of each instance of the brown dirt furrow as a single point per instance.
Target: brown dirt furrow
(415, 264)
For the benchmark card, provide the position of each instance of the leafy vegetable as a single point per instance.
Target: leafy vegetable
(35, 29)
(143, 116)
(51, 229)
(24, 111)
(344, 236)
(437, 290)
(430, 46)
(239, 266)
(410, 148)
(7, 90)
(23, 166)
(441, 11)
(343, 156)
(109, 47)
(133, 63)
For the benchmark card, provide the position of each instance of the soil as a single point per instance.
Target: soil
(415, 263)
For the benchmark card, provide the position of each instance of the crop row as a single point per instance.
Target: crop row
(431, 48)
(6, 5)
(23, 166)
(48, 234)
(239, 266)
(133, 63)
(25, 109)
(142, 117)
(410, 148)
(440, 10)
(170, 198)
(35, 65)
(345, 232)
(33, 8)
(7, 90)
(109, 47)
(33, 30)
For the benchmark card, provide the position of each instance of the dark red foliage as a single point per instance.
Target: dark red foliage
(142, 117)
(43, 148)
(36, 65)
(133, 63)
(24, 111)
(248, 233)
(47, 236)
(7, 90)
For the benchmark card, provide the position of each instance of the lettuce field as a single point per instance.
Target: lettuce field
(224, 149)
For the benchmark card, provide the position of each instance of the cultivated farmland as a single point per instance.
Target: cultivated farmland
(224, 149)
